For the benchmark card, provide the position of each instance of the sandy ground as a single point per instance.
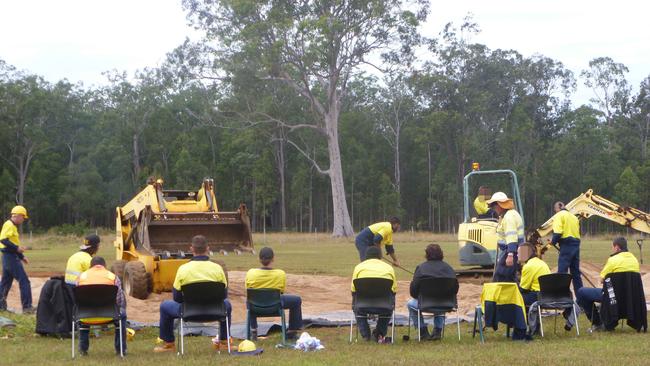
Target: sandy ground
(320, 294)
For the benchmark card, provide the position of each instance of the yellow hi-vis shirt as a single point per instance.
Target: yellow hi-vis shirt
(510, 230)
(266, 278)
(374, 268)
(78, 263)
(620, 262)
(385, 229)
(567, 224)
(9, 231)
(199, 271)
(530, 273)
(480, 205)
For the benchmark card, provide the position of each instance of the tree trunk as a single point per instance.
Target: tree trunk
(342, 225)
(136, 161)
(280, 159)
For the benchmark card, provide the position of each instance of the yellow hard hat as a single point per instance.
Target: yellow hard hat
(247, 347)
(19, 210)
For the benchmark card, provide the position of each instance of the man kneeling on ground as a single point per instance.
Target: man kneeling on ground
(619, 261)
(199, 269)
(267, 277)
(434, 267)
(373, 267)
(97, 274)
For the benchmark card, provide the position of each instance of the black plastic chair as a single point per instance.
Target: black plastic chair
(554, 293)
(203, 302)
(373, 293)
(437, 295)
(97, 302)
(264, 303)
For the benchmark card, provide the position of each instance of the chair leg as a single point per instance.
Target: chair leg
(73, 332)
(182, 339)
(480, 324)
(555, 322)
(227, 334)
(541, 326)
(444, 324)
(248, 325)
(351, 320)
(284, 327)
(458, 324)
(419, 326)
(392, 331)
(575, 318)
(119, 321)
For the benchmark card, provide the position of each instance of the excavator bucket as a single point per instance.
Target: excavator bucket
(169, 235)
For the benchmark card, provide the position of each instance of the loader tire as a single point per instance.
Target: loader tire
(136, 282)
(118, 269)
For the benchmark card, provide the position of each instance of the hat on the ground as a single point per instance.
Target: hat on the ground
(247, 348)
(502, 200)
(90, 241)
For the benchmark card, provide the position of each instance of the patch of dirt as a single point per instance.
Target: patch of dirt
(320, 294)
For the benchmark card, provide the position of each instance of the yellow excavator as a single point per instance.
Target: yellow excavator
(589, 204)
(154, 231)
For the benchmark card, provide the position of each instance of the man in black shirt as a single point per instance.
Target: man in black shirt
(434, 267)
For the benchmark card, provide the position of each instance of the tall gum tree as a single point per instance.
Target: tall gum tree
(316, 48)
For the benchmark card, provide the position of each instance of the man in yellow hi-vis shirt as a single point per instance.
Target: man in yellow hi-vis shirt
(79, 262)
(378, 234)
(566, 233)
(12, 261)
(510, 234)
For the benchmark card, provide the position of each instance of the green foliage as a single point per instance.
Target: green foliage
(628, 188)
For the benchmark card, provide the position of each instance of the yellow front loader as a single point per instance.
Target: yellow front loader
(154, 232)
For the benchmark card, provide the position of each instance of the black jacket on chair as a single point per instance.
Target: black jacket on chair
(54, 313)
(628, 303)
(430, 269)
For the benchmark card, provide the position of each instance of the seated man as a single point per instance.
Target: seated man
(619, 261)
(199, 269)
(373, 267)
(434, 267)
(267, 277)
(80, 261)
(97, 274)
(481, 207)
(533, 268)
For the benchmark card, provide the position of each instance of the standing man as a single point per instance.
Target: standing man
(13, 259)
(378, 234)
(566, 233)
(434, 267)
(199, 269)
(619, 261)
(79, 262)
(267, 277)
(373, 267)
(97, 274)
(510, 234)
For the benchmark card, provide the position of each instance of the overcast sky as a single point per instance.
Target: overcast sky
(79, 39)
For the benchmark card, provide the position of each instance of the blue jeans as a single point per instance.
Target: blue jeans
(85, 334)
(529, 296)
(569, 261)
(294, 304)
(438, 319)
(170, 310)
(363, 240)
(503, 273)
(362, 322)
(12, 268)
(586, 297)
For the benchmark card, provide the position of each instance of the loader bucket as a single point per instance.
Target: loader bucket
(169, 235)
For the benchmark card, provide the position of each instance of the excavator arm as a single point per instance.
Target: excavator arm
(588, 204)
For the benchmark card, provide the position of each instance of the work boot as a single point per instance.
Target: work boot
(254, 334)
(375, 337)
(3, 305)
(436, 335)
(165, 347)
(29, 310)
(292, 334)
(424, 333)
(83, 352)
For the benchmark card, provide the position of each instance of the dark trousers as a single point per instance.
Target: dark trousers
(362, 322)
(363, 240)
(12, 268)
(569, 261)
(529, 296)
(170, 310)
(586, 297)
(294, 304)
(503, 273)
(84, 336)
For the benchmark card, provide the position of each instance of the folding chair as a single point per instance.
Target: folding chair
(554, 293)
(373, 296)
(96, 305)
(437, 295)
(264, 303)
(203, 302)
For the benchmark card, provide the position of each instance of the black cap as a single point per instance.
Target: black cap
(266, 253)
(90, 241)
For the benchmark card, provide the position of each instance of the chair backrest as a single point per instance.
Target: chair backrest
(374, 293)
(438, 294)
(263, 301)
(203, 301)
(97, 302)
(554, 288)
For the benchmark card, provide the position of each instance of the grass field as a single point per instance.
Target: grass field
(319, 254)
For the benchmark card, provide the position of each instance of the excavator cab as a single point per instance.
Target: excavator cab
(477, 239)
